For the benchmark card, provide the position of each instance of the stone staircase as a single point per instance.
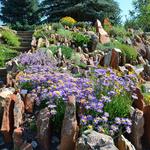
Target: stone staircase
(25, 39)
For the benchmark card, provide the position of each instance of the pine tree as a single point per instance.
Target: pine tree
(81, 10)
(20, 14)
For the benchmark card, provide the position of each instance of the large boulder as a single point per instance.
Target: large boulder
(8, 118)
(4, 93)
(92, 140)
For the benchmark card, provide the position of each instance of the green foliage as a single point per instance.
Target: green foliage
(143, 89)
(43, 30)
(81, 10)
(129, 51)
(65, 33)
(66, 51)
(57, 26)
(20, 15)
(146, 98)
(119, 106)
(140, 15)
(103, 47)
(82, 24)
(118, 31)
(32, 126)
(82, 65)
(26, 85)
(80, 39)
(76, 58)
(10, 38)
(58, 118)
(6, 54)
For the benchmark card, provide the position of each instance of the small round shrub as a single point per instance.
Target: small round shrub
(80, 39)
(68, 21)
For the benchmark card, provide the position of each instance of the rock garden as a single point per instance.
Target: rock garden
(81, 86)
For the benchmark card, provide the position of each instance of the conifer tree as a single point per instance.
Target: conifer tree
(20, 14)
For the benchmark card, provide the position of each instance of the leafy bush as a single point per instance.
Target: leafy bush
(117, 31)
(57, 26)
(65, 33)
(6, 54)
(68, 21)
(104, 47)
(83, 24)
(66, 51)
(129, 51)
(121, 105)
(80, 39)
(43, 30)
(76, 58)
(10, 38)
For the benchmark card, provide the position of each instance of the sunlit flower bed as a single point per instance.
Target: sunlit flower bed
(104, 99)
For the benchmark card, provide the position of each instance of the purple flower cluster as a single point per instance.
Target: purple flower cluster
(39, 57)
(92, 95)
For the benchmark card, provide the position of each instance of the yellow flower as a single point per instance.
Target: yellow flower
(90, 127)
(50, 94)
(68, 20)
(57, 92)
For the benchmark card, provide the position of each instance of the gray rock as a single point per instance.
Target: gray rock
(92, 140)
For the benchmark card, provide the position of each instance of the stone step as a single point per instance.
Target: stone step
(22, 49)
(23, 33)
(25, 39)
(25, 44)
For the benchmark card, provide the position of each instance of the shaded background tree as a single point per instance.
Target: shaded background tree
(81, 10)
(140, 15)
(20, 14)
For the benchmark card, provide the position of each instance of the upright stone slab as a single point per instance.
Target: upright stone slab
(18, 111)
(146, 137)
(70, 128)
(137, 129)
(103, 35)
(43, 129)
